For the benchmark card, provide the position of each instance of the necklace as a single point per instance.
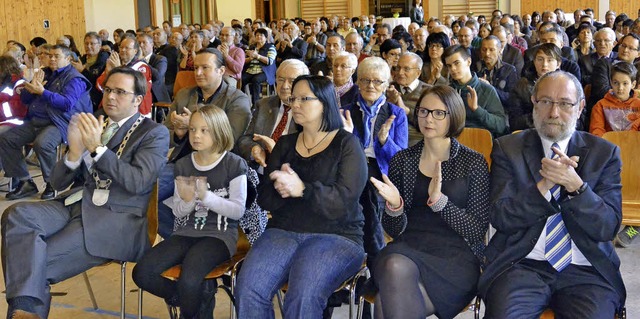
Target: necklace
(309, 149)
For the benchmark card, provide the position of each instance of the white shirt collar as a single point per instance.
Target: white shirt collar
(546, 145)
(121, 122)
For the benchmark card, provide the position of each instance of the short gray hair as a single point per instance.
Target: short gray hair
(374, 64)
(610, 33)
(351, 58)
(555, 75)
(295, 64)
(416, 58)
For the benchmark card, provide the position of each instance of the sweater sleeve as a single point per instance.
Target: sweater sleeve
(394, 226)
(491, 112)
(596, 126)
(232, 207)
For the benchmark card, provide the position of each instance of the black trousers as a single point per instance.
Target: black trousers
(530, 287)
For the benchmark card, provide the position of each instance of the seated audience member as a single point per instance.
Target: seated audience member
(604, 40)
(11, 82)
(383, 33)
(627, 52)
(171, 52)
(354, 45)
(51, 105)
(520, 106)
(517, 42)
(259, 65)
(272, 117)
(584, 45)
(210, 90)
(483, 106)
(551, 33)
(437, 195)
(406, 89)
(92, 64)
(334, 45)
(158, 66)
(47, 242)
(117, 37)
(390, 51)
(465, 36)
(382, 129)
(189, 50)
(290, 45)
(316, 41)
(344, 65)
(346, 27)
(234, 57)
(130, 57)
(620, 108)
(210, 198)
(556, 206)
(434, 71)
(420, 41)
(501, 75)
(509, 54)
(314, 180)
(405, 40)
(572, 30)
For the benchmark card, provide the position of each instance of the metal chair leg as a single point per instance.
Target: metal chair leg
(140, 303)
(280, 302)
(123, 277)
(90, 290)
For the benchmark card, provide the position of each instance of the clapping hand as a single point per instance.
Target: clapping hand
(387, 190)
(259, 155)
(186, 188)
(346, 120)
(36, 86)
(383, 134)
(561, 171)
(74, 139)
(180, 122)
(286, 182)
(113, 61)
(472, 98)
(435, 186)
(266, 141)
(91, 130)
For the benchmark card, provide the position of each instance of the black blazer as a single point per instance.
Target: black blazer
(519, 212)
(158, 65)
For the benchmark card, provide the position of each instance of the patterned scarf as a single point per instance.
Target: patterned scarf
(369, 112)
(341, 90)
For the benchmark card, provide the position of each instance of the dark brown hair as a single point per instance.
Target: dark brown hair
(452, 102)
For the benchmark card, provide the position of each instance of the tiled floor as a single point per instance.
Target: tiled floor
(106, 284)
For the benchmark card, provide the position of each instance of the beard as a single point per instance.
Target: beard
(554, 129)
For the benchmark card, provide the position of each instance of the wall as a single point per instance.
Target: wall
(110, 15)
(235, 9)
(23, 20)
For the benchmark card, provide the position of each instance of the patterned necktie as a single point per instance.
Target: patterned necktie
(108, 133)
(557, 248)
(407, 90)
(282, 124)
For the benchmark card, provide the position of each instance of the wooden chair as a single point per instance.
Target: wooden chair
(349, 284)
(479, 140)
(183, 79)
(156, 106)
(152, 229)
(629, 143)
(229, 268)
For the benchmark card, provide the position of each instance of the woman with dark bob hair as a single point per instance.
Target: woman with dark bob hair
(390, 51)
(433, 70)
(259, 65)
(312, 183)
(437, 206)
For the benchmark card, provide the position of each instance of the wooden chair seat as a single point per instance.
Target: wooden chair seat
(479, 140)
(628, 142)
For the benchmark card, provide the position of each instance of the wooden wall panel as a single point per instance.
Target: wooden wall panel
(626, 6)
(23, 20)
(568, 6)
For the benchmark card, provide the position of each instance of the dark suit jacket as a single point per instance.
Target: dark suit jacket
(513, 56)
(118, 229)
(567, 53)
(587, 63)
(263, 122)
(519, 212)
(171, 53)
(298, 50)
(158, 64)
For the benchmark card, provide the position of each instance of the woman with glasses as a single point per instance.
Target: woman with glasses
(437, 204)
(344, 66)
(547, 58)
(312, 183)
(383, 131)
(433, 70)
(390, 51)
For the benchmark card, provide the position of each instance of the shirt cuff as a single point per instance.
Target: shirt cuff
(73, 165)
(99, 151)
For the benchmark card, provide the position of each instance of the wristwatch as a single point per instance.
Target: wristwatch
(578, 191)
(95, 153)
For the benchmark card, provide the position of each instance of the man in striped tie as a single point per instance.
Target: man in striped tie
(556, 206)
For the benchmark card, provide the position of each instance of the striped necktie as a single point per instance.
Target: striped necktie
(557, 248)
(109, 132)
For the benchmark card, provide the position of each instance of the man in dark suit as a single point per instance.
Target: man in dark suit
(510, 54)
(272, 117)
(171, 52)
(604, 40)
(158, 66)
(290, 45)
(556, 206)
(102, 219)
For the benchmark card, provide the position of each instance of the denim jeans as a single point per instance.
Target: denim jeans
(314, 265)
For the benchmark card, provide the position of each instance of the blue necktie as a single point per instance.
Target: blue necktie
(557, 248)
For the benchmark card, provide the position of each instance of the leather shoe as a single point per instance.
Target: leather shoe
(48, 193)
(21, 314)
(23, 189)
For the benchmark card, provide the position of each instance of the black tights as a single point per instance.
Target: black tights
(400, 295)
(198, 256)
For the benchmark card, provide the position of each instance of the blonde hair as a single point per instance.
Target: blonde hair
(219, 127)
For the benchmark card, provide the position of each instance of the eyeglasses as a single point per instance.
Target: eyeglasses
(302, 99)
(119, 92)
(343, 66)
(565, 106)
(405, 69)
(436, 114)
(435, 46)
(624, 47)
(367, 82)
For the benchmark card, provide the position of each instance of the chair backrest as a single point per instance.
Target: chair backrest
(152, 215)
(184, 79)
(479, 140)
(629, 143)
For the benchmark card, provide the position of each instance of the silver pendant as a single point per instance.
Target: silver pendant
(100, 196)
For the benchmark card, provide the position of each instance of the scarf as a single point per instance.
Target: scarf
(369, 113)
(341, 90)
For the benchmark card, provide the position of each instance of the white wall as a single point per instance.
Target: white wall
(109, 15)
(236, 9)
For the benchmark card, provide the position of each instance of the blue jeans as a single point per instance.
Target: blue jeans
(314, 265)
(165, 190)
